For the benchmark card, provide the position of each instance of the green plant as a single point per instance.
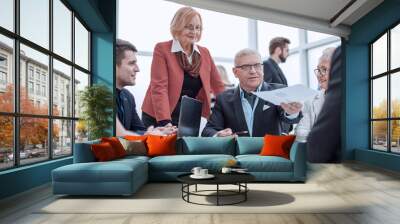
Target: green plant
(96, 102)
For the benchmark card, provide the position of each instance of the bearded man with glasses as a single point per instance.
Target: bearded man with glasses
(239, 112)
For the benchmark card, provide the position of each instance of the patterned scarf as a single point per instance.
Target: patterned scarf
(194, 68)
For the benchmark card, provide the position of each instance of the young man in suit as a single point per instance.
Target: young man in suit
(127, 120)
(273, 75)
(278, 51)
(238, 111)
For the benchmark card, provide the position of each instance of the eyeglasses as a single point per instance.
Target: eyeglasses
(193, 28)
(248, 67)
(320, 71)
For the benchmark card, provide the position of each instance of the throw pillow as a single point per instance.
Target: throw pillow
(134, 147)
(161, 145)
(136, 137)
(116, 145)
(277, 145)
(103, 151)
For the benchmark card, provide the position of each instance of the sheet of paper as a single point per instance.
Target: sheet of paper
(296, 93)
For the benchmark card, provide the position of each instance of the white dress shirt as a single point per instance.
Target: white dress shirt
(310, 111)
(177, 47)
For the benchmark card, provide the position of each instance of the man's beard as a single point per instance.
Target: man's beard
(283, 59)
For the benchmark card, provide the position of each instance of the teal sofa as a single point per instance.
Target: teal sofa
(125, 176)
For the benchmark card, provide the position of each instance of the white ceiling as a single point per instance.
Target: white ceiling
(315, 15)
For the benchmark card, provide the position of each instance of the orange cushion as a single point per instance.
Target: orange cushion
(116, 145)
(103, 151)
(277, 145)
(136, 137)
(161, 145)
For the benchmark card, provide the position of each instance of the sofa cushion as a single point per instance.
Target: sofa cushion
(275, 145)
(185, 163)
(103, 152)
(198, 146)
(161, 145)
(136, 137)
(249, 145)
(116, 145)
(134, 147)
(257, 163)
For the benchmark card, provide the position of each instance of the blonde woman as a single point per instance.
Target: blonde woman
(180, 67)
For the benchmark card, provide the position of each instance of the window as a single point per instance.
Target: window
(62, 29)
(3, 78)
(30, 87)
(45, 130)
(38, 89)
(3, 72)
(62, 74)
(7, 74)
(7, 14)
(37, 75)
(44, 91)
(30, 72)
(3, 61)
(385, 94)
(81, 45)
(34, 21)
(267, 31)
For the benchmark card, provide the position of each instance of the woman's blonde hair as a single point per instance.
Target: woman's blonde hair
(182, 18)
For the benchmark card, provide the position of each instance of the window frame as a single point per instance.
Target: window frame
(16, 115)
(388, 74)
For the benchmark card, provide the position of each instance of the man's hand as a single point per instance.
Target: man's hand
(224, 133)
(292, 108)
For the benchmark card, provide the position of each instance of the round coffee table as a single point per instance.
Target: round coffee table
(238, 179)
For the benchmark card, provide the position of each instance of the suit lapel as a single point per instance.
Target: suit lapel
(202, 71)
(283, 78)
(258, 112)
(279, 72)
(176, 68)
(238, 110)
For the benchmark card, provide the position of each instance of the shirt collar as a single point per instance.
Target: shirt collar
(177, 47)
(242, 91)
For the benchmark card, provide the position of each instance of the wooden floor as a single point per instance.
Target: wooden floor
(377, 188)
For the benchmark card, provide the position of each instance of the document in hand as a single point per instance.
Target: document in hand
(296, 93)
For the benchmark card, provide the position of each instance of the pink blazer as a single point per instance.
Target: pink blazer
(167, 79)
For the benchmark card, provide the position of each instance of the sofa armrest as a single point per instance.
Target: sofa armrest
(298, 155)
(83, 153)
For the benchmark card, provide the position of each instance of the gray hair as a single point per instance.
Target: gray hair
(246, 52)
(327, 54)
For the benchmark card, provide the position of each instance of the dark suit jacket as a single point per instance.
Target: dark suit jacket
(228, 113)
(272, 72)
(127, 111)
(324, 142)
(273, 75)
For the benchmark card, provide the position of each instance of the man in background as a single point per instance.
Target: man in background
(278, 51)
(273, 75)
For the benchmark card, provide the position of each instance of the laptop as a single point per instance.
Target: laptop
(189, 117)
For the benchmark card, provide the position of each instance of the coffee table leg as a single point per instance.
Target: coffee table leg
(196, 188)
(217, 194)
(245, 191)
